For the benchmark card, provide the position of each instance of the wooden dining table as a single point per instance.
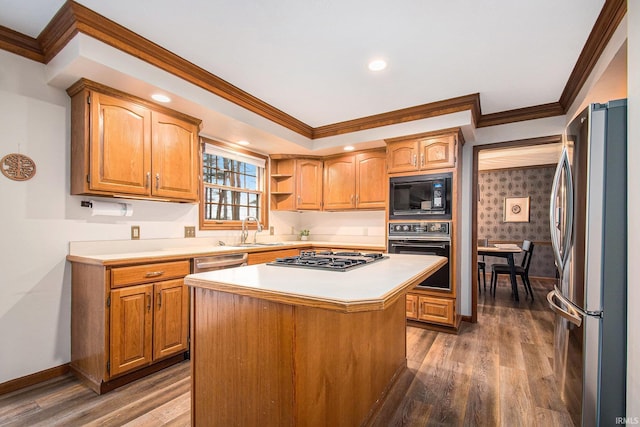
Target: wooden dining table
(504, 251)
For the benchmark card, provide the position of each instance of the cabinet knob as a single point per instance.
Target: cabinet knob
(422, 159)
(148, 184)
(148, 302)
(415, 160)
(157, 181)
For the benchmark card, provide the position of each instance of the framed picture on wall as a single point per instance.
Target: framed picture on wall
(516, 209)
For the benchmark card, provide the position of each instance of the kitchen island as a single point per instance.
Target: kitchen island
(284, 346)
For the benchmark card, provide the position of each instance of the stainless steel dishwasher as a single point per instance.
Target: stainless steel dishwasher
(218, 262)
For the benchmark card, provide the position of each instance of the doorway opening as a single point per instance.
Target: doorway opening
(501, 171)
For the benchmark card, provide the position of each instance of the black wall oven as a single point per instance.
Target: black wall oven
(424, 238)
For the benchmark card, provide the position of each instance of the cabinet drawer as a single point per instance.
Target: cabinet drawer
(436, 310)
(146, 273)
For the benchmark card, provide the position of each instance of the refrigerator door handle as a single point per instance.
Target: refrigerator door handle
(570, 314)
(561, 254)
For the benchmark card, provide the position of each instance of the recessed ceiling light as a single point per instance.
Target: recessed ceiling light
(243, 142)
(349, 148)
(377, 65)
(160, 97)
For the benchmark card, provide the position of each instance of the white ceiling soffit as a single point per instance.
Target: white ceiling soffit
(309, 58)
(518, 157)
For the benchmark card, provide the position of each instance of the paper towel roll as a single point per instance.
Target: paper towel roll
(111, 208)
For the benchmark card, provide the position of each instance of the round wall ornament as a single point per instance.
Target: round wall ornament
(17, 167)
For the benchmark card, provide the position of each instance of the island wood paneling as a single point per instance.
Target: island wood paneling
(256, 362)
(241, 360)
(346, 362)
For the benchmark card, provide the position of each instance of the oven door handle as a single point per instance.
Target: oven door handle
(417, 245)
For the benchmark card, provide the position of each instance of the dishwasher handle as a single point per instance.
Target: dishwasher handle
(219, 262)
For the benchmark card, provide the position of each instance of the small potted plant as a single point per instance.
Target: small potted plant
(304, 234)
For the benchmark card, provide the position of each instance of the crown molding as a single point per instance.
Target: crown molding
(610, 17)
(521, 114)
(20, 44)
(432, 109)
(73, 18)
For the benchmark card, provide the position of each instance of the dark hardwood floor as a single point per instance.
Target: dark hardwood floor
(497, 372)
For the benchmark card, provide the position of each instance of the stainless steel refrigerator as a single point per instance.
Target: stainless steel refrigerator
(588, 220)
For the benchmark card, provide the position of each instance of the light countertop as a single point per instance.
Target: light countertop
(172, 252)
(370, 287)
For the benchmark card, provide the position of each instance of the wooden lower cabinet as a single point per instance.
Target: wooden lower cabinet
(131, 328)
(437, 310)
(119, 333)
(431, 309)
(412, 306)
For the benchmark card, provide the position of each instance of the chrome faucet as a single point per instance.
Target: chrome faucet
(245, 232)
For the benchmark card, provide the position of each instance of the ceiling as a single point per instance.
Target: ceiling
(309, 58)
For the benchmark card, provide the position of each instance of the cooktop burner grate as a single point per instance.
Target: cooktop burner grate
(327, 260)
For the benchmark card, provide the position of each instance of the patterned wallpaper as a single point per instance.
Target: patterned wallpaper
(536, 183)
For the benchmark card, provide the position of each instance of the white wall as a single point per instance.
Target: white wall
(39, 218)
(633, 199)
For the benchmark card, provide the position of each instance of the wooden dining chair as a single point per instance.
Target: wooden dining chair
(522, 270)
(482, 267)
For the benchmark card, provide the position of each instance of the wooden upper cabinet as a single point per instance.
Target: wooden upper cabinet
(308, 184)
(175, 158)
(123, 145)
(340, 183)
(296, 184)
(356, 181)
(120, 149)
(402, 156)
(417, 153)
(436, 153)
(371, 180)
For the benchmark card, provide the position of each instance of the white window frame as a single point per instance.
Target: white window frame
(234, 153)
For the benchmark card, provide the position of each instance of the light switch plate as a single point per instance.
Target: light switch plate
(135, 232)
(189, 231)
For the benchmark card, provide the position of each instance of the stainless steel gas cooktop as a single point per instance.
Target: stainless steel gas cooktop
(334, 261)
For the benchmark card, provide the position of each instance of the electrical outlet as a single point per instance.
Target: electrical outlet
(135, 232)
(189, 231)
(271, 231)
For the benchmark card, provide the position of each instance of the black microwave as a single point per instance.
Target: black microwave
(420, 196)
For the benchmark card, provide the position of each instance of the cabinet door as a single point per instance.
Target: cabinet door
(175, 158)
(120, 147)
(412, 306)
(340, 183)
(171, 318)
(436, 310)
(308, 184)
(436, 153)
(371, 181)
(131, 328)
(402, 156)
